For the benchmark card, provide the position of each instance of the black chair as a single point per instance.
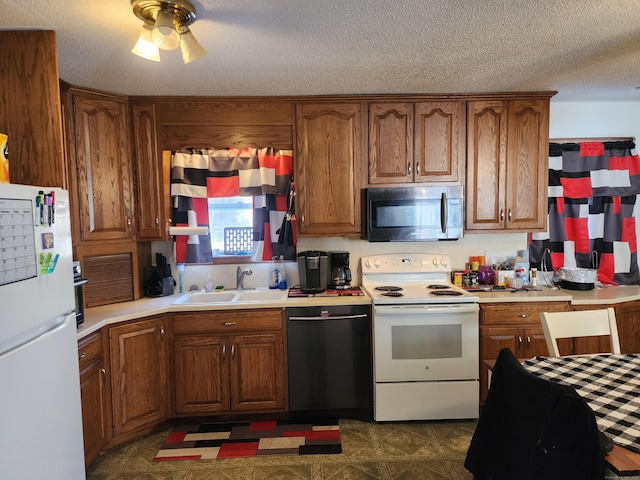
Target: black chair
(533, 429)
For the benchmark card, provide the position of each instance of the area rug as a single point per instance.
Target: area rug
(251, 439)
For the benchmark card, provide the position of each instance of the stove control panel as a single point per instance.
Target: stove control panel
(405, 263)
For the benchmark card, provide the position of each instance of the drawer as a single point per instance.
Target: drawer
(518, 312)
(229, 321)
(90, 349)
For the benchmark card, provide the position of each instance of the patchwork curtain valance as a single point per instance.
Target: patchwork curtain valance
(230, 172)
(593, 192)
(266, 174)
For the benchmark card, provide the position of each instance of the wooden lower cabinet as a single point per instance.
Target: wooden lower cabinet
(140, 393)
(94, 393)
(628, 322)
(229, 362)
(514, 325)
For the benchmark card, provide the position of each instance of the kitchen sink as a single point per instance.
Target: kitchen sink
(257, 295)
(199, 298)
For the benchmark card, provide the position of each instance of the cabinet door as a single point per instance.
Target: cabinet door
(527, 164)
(94, 409)
(103, 171)
(257, 372)
(329, 168)
(486, 164)
(201, 374)
(94, 395)
(139, 375)
(391, 143)
(439, 141)
(149, 174)
(30, 113)
(534, 343)
(628, 321)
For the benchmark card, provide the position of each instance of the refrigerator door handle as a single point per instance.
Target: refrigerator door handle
(19, 341)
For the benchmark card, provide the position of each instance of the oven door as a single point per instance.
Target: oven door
(425, 342)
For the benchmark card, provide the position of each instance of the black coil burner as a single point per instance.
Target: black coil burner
(388, 288)
(392, 293)
(451, 293)
(438, 286)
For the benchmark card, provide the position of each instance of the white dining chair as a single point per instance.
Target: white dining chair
(584, 323)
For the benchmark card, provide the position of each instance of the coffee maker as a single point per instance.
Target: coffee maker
(339, 271)
(312, 269)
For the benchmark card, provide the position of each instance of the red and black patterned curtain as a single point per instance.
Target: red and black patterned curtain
(593, 190)
(265, 174)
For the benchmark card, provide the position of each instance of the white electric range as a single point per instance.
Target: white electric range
(426, 341)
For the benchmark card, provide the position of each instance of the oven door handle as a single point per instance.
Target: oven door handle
(79, 282)
(448, 308)
(326, 317)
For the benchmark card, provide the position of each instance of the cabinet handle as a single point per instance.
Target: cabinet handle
(233, 352)
(501, 215)
(509, 215)
(228, 324)
(303, 219)
(128, 222)
(103, 371)
(519, 339)
(157, 221)
(224, 352)
(409, 169)
(82, 355)
(417, 168)
(524, 315)
(162, 331)
(528, 340)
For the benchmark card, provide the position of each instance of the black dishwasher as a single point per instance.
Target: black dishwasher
(330, 372)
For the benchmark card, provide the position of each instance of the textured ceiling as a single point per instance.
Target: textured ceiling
(584, 49)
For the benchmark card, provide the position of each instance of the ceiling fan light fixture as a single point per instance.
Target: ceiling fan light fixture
(164, 34)
(191, 49)
(167, 22)
(145, 47)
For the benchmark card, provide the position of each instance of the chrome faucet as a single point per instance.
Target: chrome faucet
(240, 277)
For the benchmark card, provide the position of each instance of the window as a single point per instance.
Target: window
(236, 215)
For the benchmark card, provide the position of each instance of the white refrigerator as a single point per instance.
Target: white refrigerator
(40, 410)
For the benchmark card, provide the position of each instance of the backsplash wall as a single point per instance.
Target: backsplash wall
(458, 251)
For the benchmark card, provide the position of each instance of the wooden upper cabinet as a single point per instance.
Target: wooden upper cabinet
(439, 141)
(30, 113)
(391, 143)
(416, 142)
(329, 168)
(150, 194)
(103, 173)
(507, 158)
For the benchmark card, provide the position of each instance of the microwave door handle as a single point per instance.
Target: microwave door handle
(444, 212)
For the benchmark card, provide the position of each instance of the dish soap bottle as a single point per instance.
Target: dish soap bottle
(282, 280)
(208, 284)
(274, 273)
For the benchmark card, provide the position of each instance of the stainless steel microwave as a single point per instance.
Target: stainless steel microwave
(414, 214)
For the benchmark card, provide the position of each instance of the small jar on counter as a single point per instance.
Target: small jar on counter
(486, 275)
(466, 278)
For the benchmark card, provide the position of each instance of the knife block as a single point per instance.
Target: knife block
(156, 284)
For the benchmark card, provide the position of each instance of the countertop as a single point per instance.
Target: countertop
(98, 317)
(609, 295)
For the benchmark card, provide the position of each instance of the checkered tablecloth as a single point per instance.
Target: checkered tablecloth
(609, 383)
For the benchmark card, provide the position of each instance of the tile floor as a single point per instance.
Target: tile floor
(387, 451)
